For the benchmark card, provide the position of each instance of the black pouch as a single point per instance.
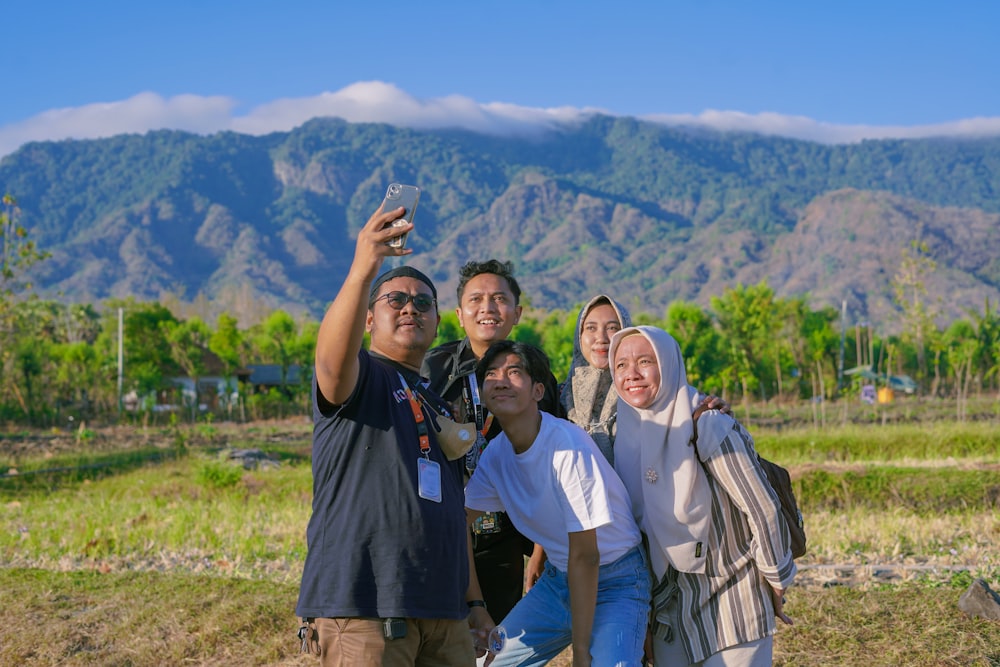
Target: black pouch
(394, 628)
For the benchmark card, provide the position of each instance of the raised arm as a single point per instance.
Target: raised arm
(343, 327)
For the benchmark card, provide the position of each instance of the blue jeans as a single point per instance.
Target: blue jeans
(539, 627)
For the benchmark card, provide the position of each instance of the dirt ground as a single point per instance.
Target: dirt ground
(16, 443)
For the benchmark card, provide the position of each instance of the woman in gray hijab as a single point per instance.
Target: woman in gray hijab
(588, 393)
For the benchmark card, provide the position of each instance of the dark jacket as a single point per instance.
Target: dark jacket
(446, 367)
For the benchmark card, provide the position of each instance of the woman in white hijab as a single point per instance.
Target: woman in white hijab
(719, 548)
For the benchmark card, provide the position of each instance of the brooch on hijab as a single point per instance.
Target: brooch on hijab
(651, 476)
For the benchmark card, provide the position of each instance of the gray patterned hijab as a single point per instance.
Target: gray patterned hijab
(588, 395)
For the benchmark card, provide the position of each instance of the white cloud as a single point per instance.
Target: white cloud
(800, 127)
(140, 113)
(376, 101)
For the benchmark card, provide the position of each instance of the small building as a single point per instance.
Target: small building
(902, 383)
(214, 390)
(264, 377)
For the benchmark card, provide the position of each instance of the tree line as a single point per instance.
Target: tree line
(62, 360)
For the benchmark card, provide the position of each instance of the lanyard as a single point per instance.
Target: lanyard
(477, 406)
(483, 425)
(418, 416)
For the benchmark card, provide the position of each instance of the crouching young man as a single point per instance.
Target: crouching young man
(559, 491)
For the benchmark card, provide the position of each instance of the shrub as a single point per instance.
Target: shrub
(219, 474)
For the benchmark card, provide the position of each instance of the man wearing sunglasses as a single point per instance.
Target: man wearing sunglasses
(387, 574)
(488, 308)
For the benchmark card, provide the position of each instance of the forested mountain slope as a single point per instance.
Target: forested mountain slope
(648, 213)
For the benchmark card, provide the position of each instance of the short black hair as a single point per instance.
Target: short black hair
(536, 364)
(503, 269)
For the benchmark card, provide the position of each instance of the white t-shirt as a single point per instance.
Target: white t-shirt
(561, 485)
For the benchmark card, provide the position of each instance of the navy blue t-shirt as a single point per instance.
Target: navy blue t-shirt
(376, 548)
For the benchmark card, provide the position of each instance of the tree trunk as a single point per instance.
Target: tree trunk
(822, 393)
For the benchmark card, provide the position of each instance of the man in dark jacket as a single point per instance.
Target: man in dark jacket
(488, 308)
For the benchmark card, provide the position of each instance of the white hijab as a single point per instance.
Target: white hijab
(669, 489)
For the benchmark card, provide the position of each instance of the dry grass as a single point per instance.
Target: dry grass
(153, 619)
(139, 619)
(895, 536)
(179, 564)
(915, 626)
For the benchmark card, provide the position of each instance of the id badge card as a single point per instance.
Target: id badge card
(429, 479)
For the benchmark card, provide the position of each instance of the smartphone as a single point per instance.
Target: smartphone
(400, 195)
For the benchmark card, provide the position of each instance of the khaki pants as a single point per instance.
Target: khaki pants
(360, 642)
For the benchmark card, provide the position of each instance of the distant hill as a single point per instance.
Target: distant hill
(646, 212)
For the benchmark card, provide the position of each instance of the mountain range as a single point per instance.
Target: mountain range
(645, 212)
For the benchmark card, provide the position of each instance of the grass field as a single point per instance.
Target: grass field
(147, 547)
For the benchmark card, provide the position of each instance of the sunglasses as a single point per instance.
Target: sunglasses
(397, 300)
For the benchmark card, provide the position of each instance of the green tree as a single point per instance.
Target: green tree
(280, 340)
(305, 351)
(996, 355)
(273, 340)
(17, 254)
(147, 358)
(701, 345)
(228, 343)
(188, 342)
(987, 334)
(814, 345)
(33, 333)
(937, 346)
(79, 381)
(909, 287)
(746, 317)
(38, 380)
(961, 348)
(29, 360)
(786, 320)
(554, 334)
(78, 323)
(449, 329)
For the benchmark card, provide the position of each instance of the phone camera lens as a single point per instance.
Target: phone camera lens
(393, 192)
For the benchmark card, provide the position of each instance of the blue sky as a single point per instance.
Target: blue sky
(825, 71)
